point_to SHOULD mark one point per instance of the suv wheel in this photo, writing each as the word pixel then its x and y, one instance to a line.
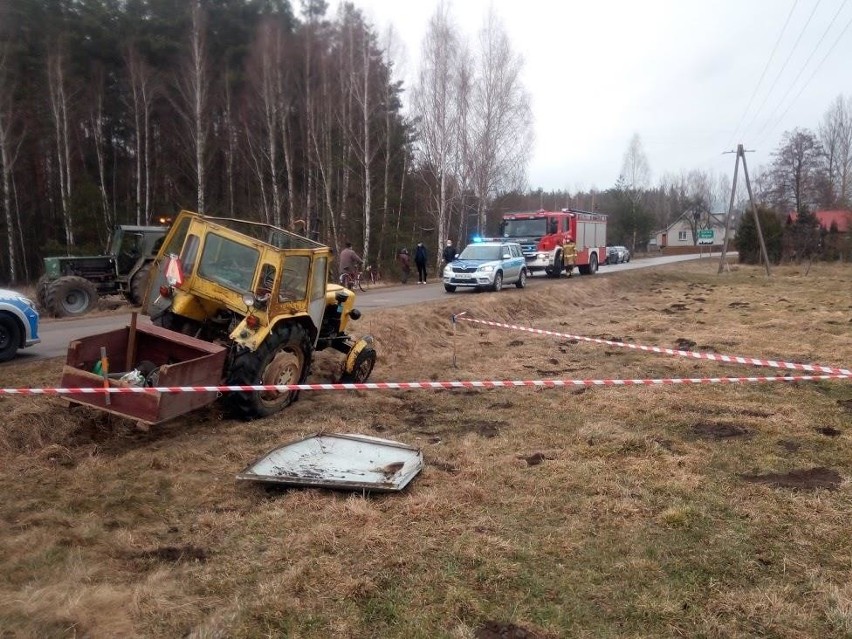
pixel 498 282
pixel 522 279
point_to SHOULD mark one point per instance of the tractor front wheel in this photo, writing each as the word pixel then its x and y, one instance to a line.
pixel 41 292
pixel 364 363
pixel 284 357
pixel 70 296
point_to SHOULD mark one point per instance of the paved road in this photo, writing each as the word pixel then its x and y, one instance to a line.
pixel 56 334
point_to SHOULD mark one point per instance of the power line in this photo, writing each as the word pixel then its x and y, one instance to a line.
pixel 784 66
pixel 805 85
pixel 802 70
pixel 763 73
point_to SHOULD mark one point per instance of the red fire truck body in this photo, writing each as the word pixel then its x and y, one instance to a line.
pixel 553 241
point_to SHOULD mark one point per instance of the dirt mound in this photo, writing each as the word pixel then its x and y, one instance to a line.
pixel 809 479
pixel 498 630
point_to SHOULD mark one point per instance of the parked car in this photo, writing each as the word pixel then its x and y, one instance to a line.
pixel 18 324
pixel 487 265
pixel 617 254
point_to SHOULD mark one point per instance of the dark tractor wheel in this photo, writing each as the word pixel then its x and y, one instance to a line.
pixel 363 367
pixel 449 288
pixel 41 292
pixel 284 357
pixel 522 279
pixel 70 296
pixel 139 284
pixel 497 286
pixel 10 337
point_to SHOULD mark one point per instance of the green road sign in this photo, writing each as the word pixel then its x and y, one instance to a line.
pixel 706 236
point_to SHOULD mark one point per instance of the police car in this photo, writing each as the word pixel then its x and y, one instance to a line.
pixel 487 265
pixel 18 324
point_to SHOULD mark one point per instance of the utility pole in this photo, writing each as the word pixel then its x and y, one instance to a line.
pixel 722 264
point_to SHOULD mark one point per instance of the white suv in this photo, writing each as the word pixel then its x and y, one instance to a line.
pixel 487 265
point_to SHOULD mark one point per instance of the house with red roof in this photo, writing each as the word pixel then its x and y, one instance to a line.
pixel 842 218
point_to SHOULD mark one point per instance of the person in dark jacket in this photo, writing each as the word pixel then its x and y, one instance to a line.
pixel 449 253
pixel 404 264
pixel 420 260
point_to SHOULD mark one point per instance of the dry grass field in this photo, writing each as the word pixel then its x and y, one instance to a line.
pixel 677 511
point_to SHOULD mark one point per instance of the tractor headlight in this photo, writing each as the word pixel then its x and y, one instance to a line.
pixel 249 299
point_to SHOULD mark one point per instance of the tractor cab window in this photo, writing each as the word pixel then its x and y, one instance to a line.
pixel 266 283
pixel 189 254
pixel 320 278
pixel 228 263
pixel 129 251
pixel 294 279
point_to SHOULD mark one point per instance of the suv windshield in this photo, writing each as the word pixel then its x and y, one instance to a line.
pixel 481 252
pixel 532 227
pixel 228 263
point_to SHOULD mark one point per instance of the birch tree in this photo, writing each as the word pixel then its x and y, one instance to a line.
pixel 59 108
pixel 141 101
pixel 502 118
pixel 435 109
pixel 193 86
pixel 835 135
pixel 360 41
pixel 8 157
pixel 265 82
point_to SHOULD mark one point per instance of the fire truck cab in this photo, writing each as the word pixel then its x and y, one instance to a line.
pixel 556 241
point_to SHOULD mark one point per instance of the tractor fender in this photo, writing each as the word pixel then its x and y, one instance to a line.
pixel 253 338
pixel 360 345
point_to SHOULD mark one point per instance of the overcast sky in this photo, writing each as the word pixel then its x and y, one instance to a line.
pixel 681 74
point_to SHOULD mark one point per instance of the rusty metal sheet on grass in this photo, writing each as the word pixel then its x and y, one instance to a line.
pixel 343 462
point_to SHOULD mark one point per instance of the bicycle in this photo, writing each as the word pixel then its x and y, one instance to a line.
pixel 354 280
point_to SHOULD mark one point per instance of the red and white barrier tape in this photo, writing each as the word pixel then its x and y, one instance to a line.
pixel 537 383
pixel 728 359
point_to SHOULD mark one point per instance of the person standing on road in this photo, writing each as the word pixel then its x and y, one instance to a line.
pixel 449 253
pixel 405 264
pixel 420 260
pixel 349 260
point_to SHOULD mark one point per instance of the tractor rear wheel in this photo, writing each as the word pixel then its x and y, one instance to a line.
pixel 139 284
pixel 284 357
pixel 70 296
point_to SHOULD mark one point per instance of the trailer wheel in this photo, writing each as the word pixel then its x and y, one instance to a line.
pixel 139 284
pixel 70 296
pixel 284 357
pixel 363 367
pixel 10 337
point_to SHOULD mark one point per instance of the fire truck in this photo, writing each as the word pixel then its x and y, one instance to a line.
pixel 557 241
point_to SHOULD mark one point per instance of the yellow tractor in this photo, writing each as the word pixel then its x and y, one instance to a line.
pixel 244 303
